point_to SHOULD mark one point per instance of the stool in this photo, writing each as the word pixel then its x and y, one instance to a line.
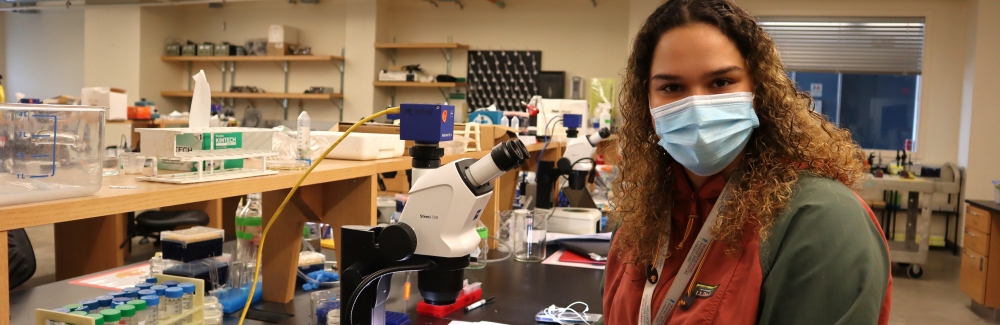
pixel 150 223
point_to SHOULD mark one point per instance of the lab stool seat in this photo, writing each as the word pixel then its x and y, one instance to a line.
pixel 150 223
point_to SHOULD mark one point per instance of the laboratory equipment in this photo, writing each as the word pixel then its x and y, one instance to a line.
pixel 191 244
pixel 575 221
pixel 469 294
pixel 362 146
pixel 147 292
pixel 120 301
pixel 216 153
pixel 576 163
pixel 248 230
pixel 118 294
pixel 152 308
pixel 98 318
pixel 131 292
pixel 170 284
pixel 528 234
pixel 302 133
pixel 482 251
pixel 112 316
pixel 436 232
pixel 152 279
pixel 112 162
pixel 144 285
pixel 213 311
pixel 161 291
pixel 74 307
pixel 49 152
pixel 187 300
pixel 91 305
pixel 104 302
pixel 174 306
pixel 78 313
pixel 322 303
pixel 141 315
pixel 128 313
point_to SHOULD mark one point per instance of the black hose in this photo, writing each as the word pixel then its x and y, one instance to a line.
pixel 374 276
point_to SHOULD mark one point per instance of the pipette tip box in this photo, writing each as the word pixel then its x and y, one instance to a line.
pixel 192 244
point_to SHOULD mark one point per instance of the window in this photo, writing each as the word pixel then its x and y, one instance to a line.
pixel 863 73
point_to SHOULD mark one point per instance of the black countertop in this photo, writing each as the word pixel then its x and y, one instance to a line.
pixel 986 205
pixel 521 291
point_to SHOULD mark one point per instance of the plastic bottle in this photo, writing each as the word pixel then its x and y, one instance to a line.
pixel 91 305
pixel 152 280
pixel 140 312
pixel 173 304
pixel 161 290
pixel 303 130
pixel 119 301
pixel 171 284
pixel 128 314
pixel 504 121
pixel 515 123
pixel 187 300
pixel 483 248
pixel 75 307
pixel 104 302
pixel 152 309
pixel 78 313
pixel 144 285
pixel 155 266
pixel 118 294
pixel 248 230
pixel 605 116
pixel 98 318
pixel 131 292
pixel 112 316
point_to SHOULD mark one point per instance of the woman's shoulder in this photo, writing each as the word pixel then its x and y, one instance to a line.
pixel 821 212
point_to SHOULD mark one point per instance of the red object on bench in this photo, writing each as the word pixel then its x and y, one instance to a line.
pixel 441 311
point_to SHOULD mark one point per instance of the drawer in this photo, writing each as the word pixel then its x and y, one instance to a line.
pixel 977 219
pixel 973 278
pixel 977 242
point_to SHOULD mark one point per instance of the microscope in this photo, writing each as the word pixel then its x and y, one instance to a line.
pixel 436 232
pixel 576 163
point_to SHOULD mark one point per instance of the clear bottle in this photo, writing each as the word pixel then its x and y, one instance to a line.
pixel 131 292
pixel 128 314
pixel 104 302
pixel 112 316
pixel 169 284
pixel 140 312
pixel 248 230
pixel 91 305
pixel 483 248
pixel 156 265
pixel 173 303
pixel 303 132
pixel 515 123
pixel 161 290
pixel 187 300
pixel 152 309
pixel 144 285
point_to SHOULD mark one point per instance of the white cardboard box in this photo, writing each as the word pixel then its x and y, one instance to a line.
pixel 282 34
pixel 113 98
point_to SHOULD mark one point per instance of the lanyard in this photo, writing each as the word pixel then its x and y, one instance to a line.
pixel 698 251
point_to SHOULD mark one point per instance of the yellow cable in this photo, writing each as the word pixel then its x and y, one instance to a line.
pixel 263 235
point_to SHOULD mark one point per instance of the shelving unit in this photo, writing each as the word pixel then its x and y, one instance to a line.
pixel 228 66
pixel 445 49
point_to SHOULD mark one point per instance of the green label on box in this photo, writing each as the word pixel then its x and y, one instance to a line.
pixel 188 142
pixel 228 140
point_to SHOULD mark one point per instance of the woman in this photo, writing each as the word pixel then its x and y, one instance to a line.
pixel 711 120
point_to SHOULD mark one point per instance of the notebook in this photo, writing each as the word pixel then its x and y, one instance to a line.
pixel 594 250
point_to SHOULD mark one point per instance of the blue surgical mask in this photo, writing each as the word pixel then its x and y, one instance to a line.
pixel 706 133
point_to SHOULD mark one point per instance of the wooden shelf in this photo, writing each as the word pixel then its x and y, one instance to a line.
pixel 217 94
pixel 252 58
pixel 419 84
pixel 421 46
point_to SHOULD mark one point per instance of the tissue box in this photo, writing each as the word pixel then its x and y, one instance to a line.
pixel 282 34
pixel 114 99
pixel 486 117
pixel 279 49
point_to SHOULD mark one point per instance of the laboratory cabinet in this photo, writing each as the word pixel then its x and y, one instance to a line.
pixel 980 271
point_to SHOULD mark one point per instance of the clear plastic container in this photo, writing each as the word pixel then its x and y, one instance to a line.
pixel 187 300
pixel 140 312
pixel 128 314
pixel 49 152
pixel 213 311
pixel 104 302
pixel 174 307
pixel 323 303
pixel 152 309
pixel 160 292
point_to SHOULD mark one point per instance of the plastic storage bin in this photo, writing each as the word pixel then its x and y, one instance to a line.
pixel 363 146
pixel 192 244
pixel 49 152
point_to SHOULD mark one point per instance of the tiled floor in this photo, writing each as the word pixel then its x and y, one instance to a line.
pixel 933 299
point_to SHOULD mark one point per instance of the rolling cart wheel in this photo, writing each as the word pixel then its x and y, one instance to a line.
pixel 915 271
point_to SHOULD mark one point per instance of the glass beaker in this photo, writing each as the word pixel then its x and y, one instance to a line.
pixel 112 162
pixel 321 304
pixel 132 163
pixel 527 231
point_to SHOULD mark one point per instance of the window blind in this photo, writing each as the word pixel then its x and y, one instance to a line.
pixel 860 45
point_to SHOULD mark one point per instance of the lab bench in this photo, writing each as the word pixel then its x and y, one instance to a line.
pixel 537 286
pixel 89 230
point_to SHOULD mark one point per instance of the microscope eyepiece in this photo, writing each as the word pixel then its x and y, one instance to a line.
pixel 504 157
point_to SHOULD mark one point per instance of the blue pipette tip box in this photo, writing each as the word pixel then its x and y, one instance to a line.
pixel 394 318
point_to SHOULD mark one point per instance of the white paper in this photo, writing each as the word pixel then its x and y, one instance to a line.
pixel 554 260
pixel 201 102
pixel 555 236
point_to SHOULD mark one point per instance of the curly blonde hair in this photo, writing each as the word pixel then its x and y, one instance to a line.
pixel 791 139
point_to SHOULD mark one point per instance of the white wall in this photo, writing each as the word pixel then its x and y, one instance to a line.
pixel 982 115
pixel 44 53
pixel 573 36
pixel 111 50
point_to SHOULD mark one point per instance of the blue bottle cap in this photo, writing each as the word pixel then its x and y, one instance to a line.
pixel 174 292
pixel 171 283
pixel 120 301
pixel 132 292
pixel 61 310
pixel 159 289
pixel 91 304
pixel 118 294
pixel 151 300
pixel 104 301
pixel 151 280
pixel 144 286
pixel 147 292
pixel 188 287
